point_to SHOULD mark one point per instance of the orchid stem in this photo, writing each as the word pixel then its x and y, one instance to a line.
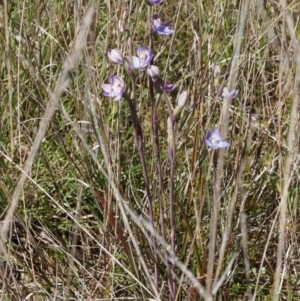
pixel 139 144
pixel 214 225
pixel 171 151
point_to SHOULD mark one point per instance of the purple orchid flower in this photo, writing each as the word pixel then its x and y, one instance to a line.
pixel 115 56
pixel 169 87
pixel 161 28
pixel 226 94
pixel 143 58
pixel 163 86
pixel 115 88
pixel 214 140
pixel 153 2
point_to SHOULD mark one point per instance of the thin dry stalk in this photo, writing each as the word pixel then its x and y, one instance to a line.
pixel 291 139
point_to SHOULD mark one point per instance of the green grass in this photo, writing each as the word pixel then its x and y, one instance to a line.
pixel 63 242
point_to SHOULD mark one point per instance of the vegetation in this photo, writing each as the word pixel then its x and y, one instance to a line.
pixel 80 220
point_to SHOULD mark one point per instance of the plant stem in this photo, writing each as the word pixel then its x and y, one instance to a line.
pixel 171 152
pixel 139 144
pixel 214 226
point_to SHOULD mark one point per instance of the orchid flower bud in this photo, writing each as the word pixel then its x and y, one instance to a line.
pixel 115 56
pixel 153 72
pixel 182 99
pixel 226 94
pixel 181 102
pixel 217 71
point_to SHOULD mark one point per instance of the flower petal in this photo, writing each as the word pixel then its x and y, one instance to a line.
pixel 106 88
pixel 233 94
pixel 182 99
pixel 117 98
pixel 115 56
pixel 137 63
pixel 223 144
pixel 153 2
pixel 169 87
pixel 226 94
pixel 215 133
pixel 153 71
pixel 208 143
pixel 111 79
pixel 118 81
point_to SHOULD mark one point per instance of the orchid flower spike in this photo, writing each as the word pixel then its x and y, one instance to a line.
pixel 214 140
pixel 115 88
pixel 161 28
